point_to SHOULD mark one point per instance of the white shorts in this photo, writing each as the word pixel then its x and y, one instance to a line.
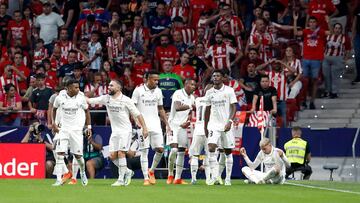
pixel 154 139
pixel 73 139
pixel 120 142
pixel 198 144
pixel 227 139
pixel 179 137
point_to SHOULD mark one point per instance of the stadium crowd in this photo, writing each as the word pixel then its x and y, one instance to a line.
pixel 298 44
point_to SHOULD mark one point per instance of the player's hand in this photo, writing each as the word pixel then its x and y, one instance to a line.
pixel 145 133
pixel 228 126
pixel 55 128
pixel 243 151
pixel 185 125
pixel 89 133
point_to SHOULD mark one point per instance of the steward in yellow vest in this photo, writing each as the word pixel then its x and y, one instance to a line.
pixel 298 153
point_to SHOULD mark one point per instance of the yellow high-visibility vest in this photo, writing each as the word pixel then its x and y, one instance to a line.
pixel 295 150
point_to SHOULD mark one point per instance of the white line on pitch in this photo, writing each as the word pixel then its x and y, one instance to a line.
pixel 323 188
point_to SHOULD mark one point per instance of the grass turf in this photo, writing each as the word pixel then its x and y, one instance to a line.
pixel 99 191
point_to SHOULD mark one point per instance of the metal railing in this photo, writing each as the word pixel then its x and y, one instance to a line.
pixel 354 155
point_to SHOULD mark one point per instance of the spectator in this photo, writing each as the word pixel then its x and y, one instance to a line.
pixel 314 44
pixel 187 33
pixel 101 14
pixel 38 103
pixel 336 52
pixel 11 75
pixel 160 23
pixel 40 52
pixel 355 38
pixel 95 49
pixel 298 153
pixel 169 82
pixel 84 28
pixel 178 42
pixel 177 8
pixel 35 135
pixel 129 49
pixel 4 21
pixel 78 75
pixel 293 78
pixel 25 71
pixel 48 23
pixel 140 33
pixel 250 83
pixel 269 95
pixel 262 40
pixel 203 71
pixel 126 16
pixel 10 103
pixel 68 69
pixel 183 69
pixel 30 89
pixel 237 26
pixel 139 68
pixel 164 52
pixel 252 57
pixel 71 14
pixel 108 70
pixel 18 28
pixel 64 43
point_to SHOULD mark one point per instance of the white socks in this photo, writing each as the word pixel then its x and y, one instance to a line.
pixel 229 165
pixel 122 168
pixel 179 164
pixel 75 167
pixel 270 174
pixel 213 165
pixel 221 163
pixel 60 167
pixel 156 160
pixel 207 167
pixel 172 158
pixel 144 163
pixel 194 165
pixel 81 163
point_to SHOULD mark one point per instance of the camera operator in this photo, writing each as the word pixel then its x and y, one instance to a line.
pixel 34 135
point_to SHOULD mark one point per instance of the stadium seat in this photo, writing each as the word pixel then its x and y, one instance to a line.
pixel 331 167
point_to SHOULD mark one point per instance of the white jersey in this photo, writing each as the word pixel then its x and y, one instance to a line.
pixel 119 110
pixel 147 102
pixel 200 104
pixel 72 111
pixel 269 161
pixel 220 101
pixel 176 118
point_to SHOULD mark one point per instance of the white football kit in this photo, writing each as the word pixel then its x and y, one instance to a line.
pixel 220 101
pixel 147 101
pixel 199 140
pixel 119 110
pixel 72 120
pixel 270 161
pixel 177 118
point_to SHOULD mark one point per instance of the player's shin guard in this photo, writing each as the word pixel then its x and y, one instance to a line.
pixel 213 165
pixel 122 168
pixel 144 162
pixel 229 165
pixel 194 165
pixel 156 160
pixel 75 167
pixel 172 158
pixel 221 163
pixel 179 164
pixel 250 174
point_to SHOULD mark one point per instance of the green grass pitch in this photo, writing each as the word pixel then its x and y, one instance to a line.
pixel 100 191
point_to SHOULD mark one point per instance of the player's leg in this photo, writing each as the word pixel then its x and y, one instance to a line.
pixel 228 142
pixel 182 145
pixel 120 145
pixel 213 138
pixel 61 146
pixel 144 151
pixel 196 147
pixel 206 161
pixel 75 169
pixel 171 140
pixel 157 142
pixel 273 173
pixel 254 176
pixel 222 158
pixel 76 148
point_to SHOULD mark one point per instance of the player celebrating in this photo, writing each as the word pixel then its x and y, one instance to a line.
pixel 149 100
pixel 219 113
pixel 179 119
pixel 274 160
pixel 199 140
pixel 74 115
pixel 119 108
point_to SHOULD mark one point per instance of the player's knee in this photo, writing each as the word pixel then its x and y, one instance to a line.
pixel 244 169
pixel 159 150
pixel 77 156
pixel 277 170
pixel 228 151
pixel 90 164
pixel 212 147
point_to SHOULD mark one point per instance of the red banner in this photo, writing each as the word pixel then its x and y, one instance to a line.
pixel 25 161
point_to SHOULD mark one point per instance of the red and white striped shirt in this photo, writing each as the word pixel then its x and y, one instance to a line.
pixel 220 56
pixel 236 26
pixel 140 35
pixel 65 48
pixel 100 90
pixel 261 118
pixel 40 55
pixel 240 94
pixel 187 33
pixel 178 11
pixel 4 81
pixel 114 45
pixel 266 39
pixel 279 81
pixel 337 45
pixel 83 30
pixel 296 65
